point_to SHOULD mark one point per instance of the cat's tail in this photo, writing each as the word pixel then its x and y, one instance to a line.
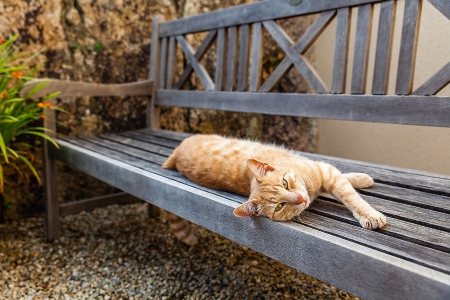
pixel 181 229
pixel 171 161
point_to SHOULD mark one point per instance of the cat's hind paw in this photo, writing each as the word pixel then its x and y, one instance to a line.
pixel 372 220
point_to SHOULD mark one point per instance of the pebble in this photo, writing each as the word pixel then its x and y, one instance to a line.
pixel 135 257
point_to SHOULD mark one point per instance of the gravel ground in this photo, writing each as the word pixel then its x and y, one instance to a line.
pixel 119 253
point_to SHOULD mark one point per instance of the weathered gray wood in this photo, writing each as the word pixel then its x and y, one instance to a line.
pixel 305 68
pixel 152 110
pixel 308 38
pixel 204 46
pixel 408 47
pixel 178 136
pixel 198 68
pixel 171 63
pixel 383 109
pixel 410 213
pixel 383 52
pixel 416 253
pixel 129 151
pixel 442 6
pixel 362 41
pixel 418 234
pixel 251 13
pixel 411 179
pixel 244 40
pixel 256 64
pixel 108 150
pixel 341 51
pixel 81 89
pixel 231 59
pixel 322 255
pixel 412 197
pixel 436 82
pixel 166 142
pixel 90 204
pixel 163 64
pixel 220 64
pixel 53 226
pixel 133 142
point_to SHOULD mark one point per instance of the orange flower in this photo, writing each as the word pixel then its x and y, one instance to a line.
pixel 43 116
pixel 1 40
pixel 42 104
pixel 5 93
pixel 17 74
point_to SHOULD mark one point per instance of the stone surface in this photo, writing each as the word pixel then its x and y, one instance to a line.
pixel 108 41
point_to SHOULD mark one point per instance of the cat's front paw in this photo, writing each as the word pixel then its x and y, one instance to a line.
pixel 359 180
pixel 372 220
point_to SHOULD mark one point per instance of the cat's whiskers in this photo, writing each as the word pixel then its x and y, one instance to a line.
pixel 298 218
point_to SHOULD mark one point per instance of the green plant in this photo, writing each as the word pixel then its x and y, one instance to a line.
pixel 18 116
pixel 98 47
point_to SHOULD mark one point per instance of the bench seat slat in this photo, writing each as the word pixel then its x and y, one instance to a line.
pixel 151 139
pixel 158 149
pixel 422 235
pixel 429 182
pixel 408 196
pixel 407 250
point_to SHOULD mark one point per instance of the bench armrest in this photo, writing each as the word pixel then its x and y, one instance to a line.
pixel 79 89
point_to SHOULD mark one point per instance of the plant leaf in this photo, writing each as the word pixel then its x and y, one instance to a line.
pixel 1 179
pixel 33 170
pixel 3 148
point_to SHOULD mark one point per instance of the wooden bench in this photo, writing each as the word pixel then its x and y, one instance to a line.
pixel 408 259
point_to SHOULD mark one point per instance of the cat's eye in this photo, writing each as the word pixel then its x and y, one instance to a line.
pixel 279 206
pixel 285 184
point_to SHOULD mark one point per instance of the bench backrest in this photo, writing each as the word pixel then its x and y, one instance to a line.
pixel 237 85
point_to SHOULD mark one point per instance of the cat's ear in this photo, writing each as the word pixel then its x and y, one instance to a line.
pixel 258 168
pixel 247 209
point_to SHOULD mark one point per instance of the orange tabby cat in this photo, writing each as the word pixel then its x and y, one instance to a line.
pixel 279 183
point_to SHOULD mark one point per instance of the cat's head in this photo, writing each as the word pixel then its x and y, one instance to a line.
pixel 277 193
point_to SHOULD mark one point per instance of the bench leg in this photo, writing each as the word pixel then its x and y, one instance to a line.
pixel 153 211
pixel 51 196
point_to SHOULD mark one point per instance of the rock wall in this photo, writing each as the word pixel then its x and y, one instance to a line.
pixel 108 41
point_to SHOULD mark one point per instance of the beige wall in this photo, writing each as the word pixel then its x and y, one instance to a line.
pixel 415 147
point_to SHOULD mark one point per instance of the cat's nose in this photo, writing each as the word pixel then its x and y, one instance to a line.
pixel 300 200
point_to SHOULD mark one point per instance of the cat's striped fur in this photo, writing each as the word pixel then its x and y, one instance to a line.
pixel 279 183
